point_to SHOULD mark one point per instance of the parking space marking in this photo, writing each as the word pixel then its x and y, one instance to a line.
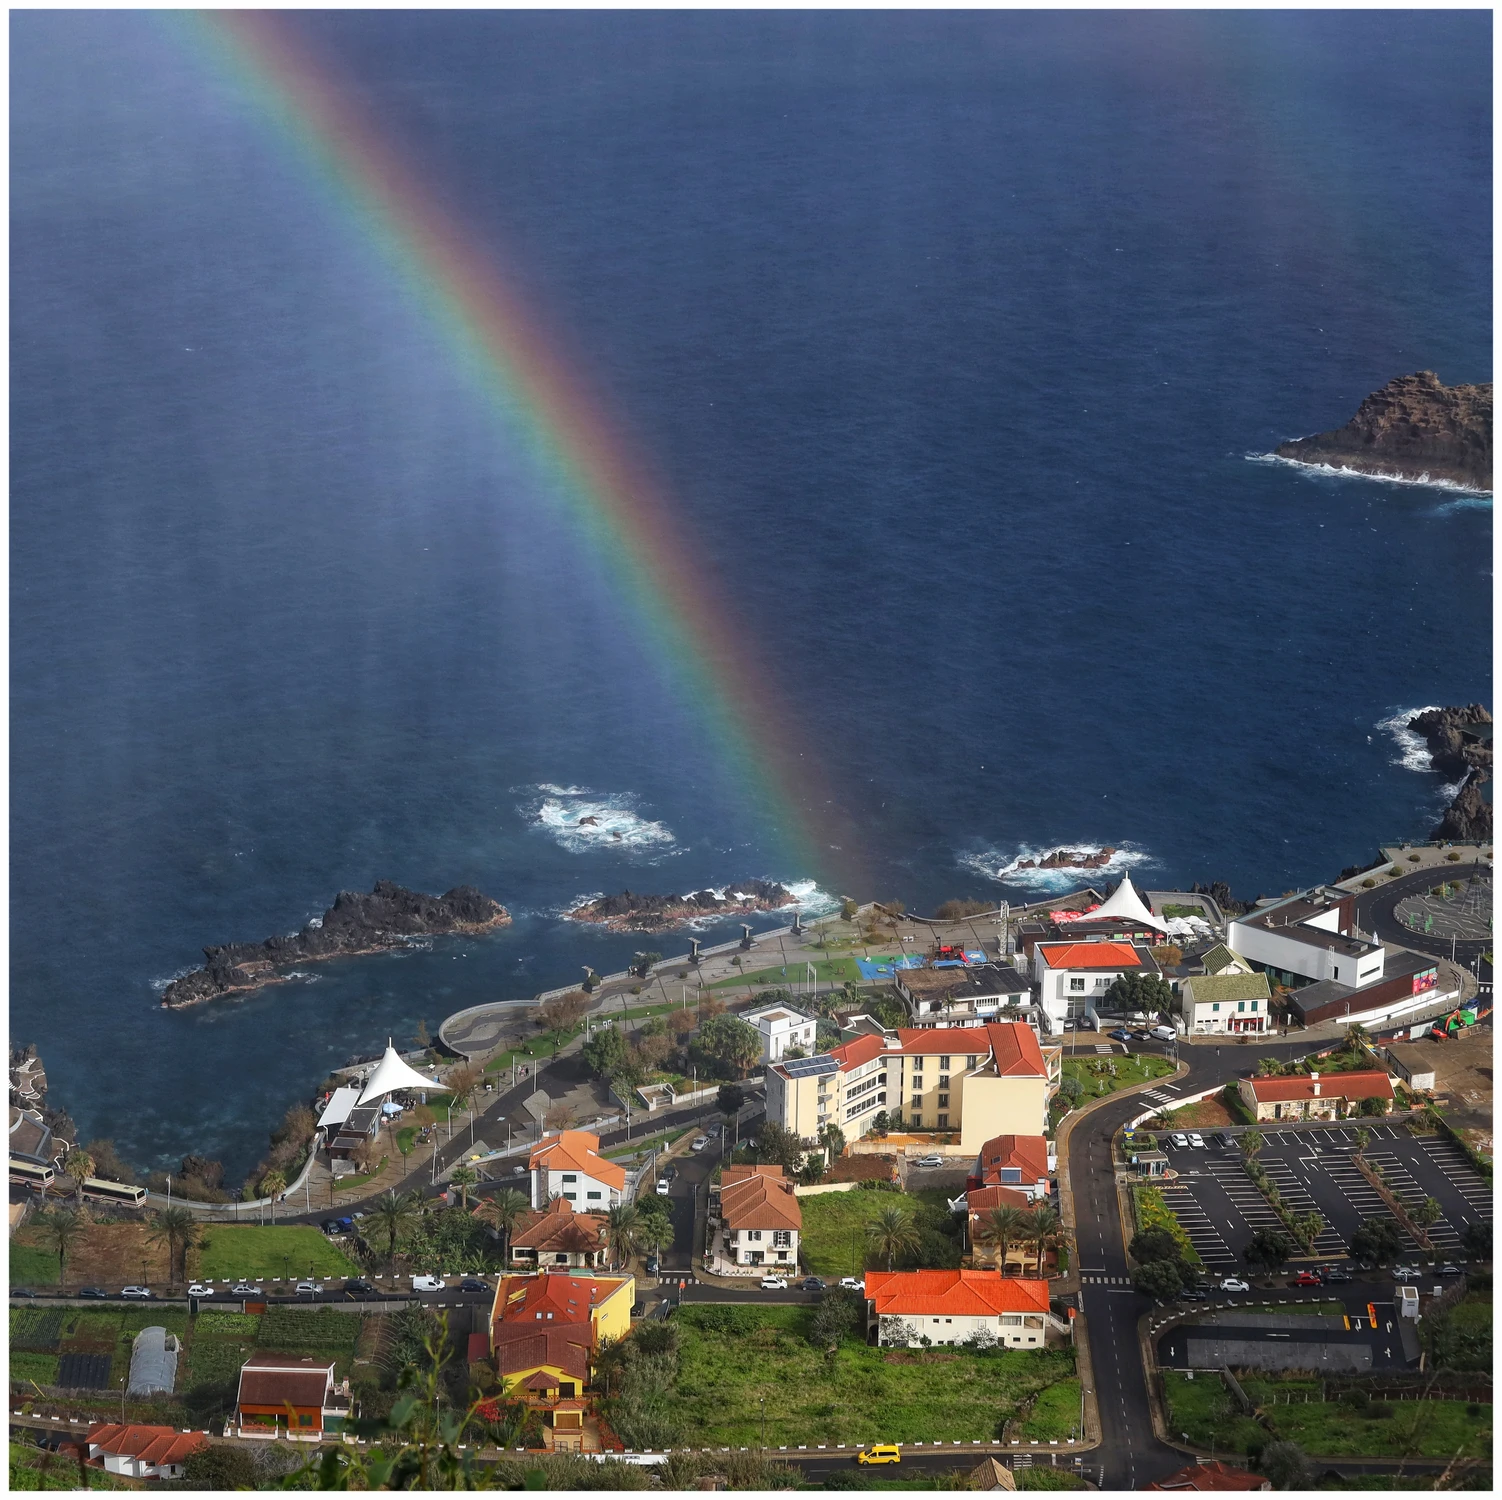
pixel 1442 1233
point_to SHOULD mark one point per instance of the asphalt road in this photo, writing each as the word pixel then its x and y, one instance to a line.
pixel 1375 912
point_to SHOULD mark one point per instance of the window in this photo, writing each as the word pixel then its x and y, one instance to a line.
pixel 1241 1005
pixel 782 1237
pixel 969 1062
pixel 304 1419
pixel 1215 1006
pixel 943 1122
pixel 917 1102
pixel 916 1122
pixel 561 1258
pixel 1076 986
pixel 943 1080
pixel 917 1065
pixel 754 1234
pixel 1254 1004
pixel 592 1196
pixel 571 1177
pixel 943 1101
pixel 572 1197
pixel 944 1064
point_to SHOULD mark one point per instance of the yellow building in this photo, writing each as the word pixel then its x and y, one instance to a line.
pixel 545 1329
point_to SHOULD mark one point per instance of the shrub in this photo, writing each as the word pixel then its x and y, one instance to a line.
pixel 1396 870
pixel 1367 884
pixel 1453 857
pixel 1413 859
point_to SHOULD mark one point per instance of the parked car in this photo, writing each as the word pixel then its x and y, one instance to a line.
pixel 852 1283
pixel 1196 1140
pixel 663 1187
pixel 200 1289
pixel 933 1159
pixel 1334 1273
pixel 1308 1278
pixel 427 1283
pixel 1448 1270
pixel 92 1291
pixel 1193 1294
pixel 1163 1033
pixel 1180 1140
pixel 474 1284
pixel 880 1453
pixel 246 1289
pixel 22 1291
pixel 811 1284
pixel 1235 1284
pixel 654 1266
pixel 138 1292
pixel 338 1226
pixel 1405 1273
pixel 1121 1034
pixel 638 1308
pixel 309 1288
pixel 1225 1141
pixel 774 1283
pixel 698 1143
pixel 357 1286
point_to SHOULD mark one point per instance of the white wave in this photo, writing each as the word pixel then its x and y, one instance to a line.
pixel 160 985
pixel 582 821
pixel 303 975
pixel 812 902
pixel 1005 868
pixel 1335 471
pixel 549 789
pixel 315 921
pixel 1413 750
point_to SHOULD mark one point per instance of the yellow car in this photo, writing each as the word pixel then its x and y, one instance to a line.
pixel 880 1453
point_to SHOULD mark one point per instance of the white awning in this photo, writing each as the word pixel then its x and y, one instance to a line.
pixel 392 1073
pixel 341 1101
pixel 1126 903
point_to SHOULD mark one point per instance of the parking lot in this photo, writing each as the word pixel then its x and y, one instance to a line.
pixel 1221 1208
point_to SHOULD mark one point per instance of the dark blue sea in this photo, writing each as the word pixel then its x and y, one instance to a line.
pixel 955 339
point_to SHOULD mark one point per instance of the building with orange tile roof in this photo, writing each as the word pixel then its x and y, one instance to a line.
pixel 1073 977
pixel 755 1220
pixel 282 1392
pixel 1314 1097
pixel 559 1236
pixel 142 1452
pixel 1211 1474
pixel 550 1324
pixel 568 1165
pixel 952 1307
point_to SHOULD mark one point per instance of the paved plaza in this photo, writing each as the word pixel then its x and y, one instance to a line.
pixel 1464 912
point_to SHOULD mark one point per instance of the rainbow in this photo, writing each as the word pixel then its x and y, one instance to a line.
pixel 622 513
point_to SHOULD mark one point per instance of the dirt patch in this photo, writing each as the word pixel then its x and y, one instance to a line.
pixel 1207 1114
pixel 862 1169
pixel 109 1253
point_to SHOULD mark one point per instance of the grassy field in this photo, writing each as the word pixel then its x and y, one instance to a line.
pixel 259 1251
pixel 861 1395
pixel 36 1469
pixel 829 970
pixel 1095 1078
pixel 1413 1429
pixel 220 1343
pixel 1203 1409
pixel 833 1241
pixel 31 1265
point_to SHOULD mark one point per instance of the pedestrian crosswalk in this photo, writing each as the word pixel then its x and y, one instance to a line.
pixel 1158 1096
pixel 1107 1050
pixel 1105 1280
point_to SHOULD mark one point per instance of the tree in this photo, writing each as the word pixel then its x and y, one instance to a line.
pixel 642 968
pixel 1310 1226
pixel 1251 1143
pixel 1377 1240
pixel 1044 1228
pixel 461 1082
pixel 1070 1089
pixel 1001 1228
pixel 503 1213
pixel 219 1466
pixel 79 1165
pixel 730 1100
pixel 881 1124
pixel 1357 1037
pixel 175 1227
pixel 622 1232
pixel 1428 1212
pixel 1269 1249
pixel 728 1045
pixel 1363 1139
pixel 1159 1279
pixel 1269 1067
pixel 61 1228
pixel 1153 1244
pixel 777 1145
pixel 605 1052
pixel 1372 1107
pixel 839 1313
pixel 1476 1239
pixel 272 1183
pixel 392 1215
pixel 558 1116
pixel 892 1232
pixel 1139 992
pixel 832 1138
pixel 1286 1465
pixel 654 1222
pixel 464 1177
pixel 560 1014
pixel 108 1163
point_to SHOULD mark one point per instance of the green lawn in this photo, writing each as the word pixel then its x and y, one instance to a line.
pixel 1414 1429
pixel 862 1395
pixel 829 971
pixel 833 1240
pixel 1056 1413
pixel 1096 1079
pixel 1204 1409
pixel 30 1265
pixel 36 1469
pixel 261 1251
pixel 1297 1309
pixel 662 1140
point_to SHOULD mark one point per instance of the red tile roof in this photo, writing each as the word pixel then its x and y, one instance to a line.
pixel 758 1198
pixel 559 1228
pixel 852 1054
pixel 566 1347
pixel 966 1040
pixel 1028 1153
pixel 1090 955
pixel 554 1297
pixel 1211 1475
pixel 576 1151
pixel 954 1293
pixel 281 1380
pixel 1368 1085
pixel 1015 1049
pixel 153 1445
pixel 993 1195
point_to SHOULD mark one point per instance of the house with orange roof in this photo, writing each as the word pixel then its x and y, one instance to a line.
pixel 1073 977
pixel 558 1235
pixel 754 1221
pixel 1331 1096
pixel 141 1452
pixel 567 1164
pixel 1211 1474
pixel 954 1307
pixel 545 1328
pixel 975 1081
pixel 281 1394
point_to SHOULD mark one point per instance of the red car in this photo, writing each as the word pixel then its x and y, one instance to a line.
pixel 1308 1278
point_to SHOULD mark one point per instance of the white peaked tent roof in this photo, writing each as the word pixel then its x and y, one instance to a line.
pixel 392 1073
pixel 1125 902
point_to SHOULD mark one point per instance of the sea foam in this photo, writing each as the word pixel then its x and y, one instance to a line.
pixel 1339 471
pixel 1413 750
pixel 1004 869
pixel 583 821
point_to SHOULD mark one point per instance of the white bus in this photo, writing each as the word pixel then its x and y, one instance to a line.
pixel 113 1192
pixel 30 1173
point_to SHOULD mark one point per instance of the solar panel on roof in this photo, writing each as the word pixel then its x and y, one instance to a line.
pixel 809 1067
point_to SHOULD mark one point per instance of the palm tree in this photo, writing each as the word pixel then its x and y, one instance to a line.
pixel 175 1226
pixel 1269 1066
pixel 892 1233
pixel 393 1214
pixel 1357 1037
pixel 272 1184
pixel 61 1227
pixel 1252 1143
pixel 1001 1227
pixel 1363 1140
pixel 504 1212
pixel 1044 1228
pixel 464 1177
pixel 622 1232
pixel 78 1164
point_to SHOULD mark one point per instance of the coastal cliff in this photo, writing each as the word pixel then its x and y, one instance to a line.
pixel 632 912
pixel 1459 742
pixel 388 917
pixel 1413 428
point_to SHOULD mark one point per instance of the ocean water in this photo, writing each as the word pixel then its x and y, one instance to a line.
pixel 957 340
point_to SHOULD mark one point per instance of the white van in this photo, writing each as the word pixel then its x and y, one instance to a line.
pixel 1163 1033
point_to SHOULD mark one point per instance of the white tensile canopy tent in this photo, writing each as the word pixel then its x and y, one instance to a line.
pixel 392 1073
pixel 1124 902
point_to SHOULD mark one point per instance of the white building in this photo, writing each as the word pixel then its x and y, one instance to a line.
pixel 759 1221
pixel 568 1165
pixel 1225 1004
pixel 1073 977
pixel 1308 937
pixel 782 1028
pixel 951 1307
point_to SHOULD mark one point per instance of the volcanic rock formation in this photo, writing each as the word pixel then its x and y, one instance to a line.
pixel 389 917
pixel 1458 748
pixel 1413 428
pixel 1069 859
pixel 631 912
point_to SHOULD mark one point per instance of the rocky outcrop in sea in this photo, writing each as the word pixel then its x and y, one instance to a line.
pixel 1413 428
pixel 1457 748
pixel 1070 859
pixel 389 916
pixel 632 912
